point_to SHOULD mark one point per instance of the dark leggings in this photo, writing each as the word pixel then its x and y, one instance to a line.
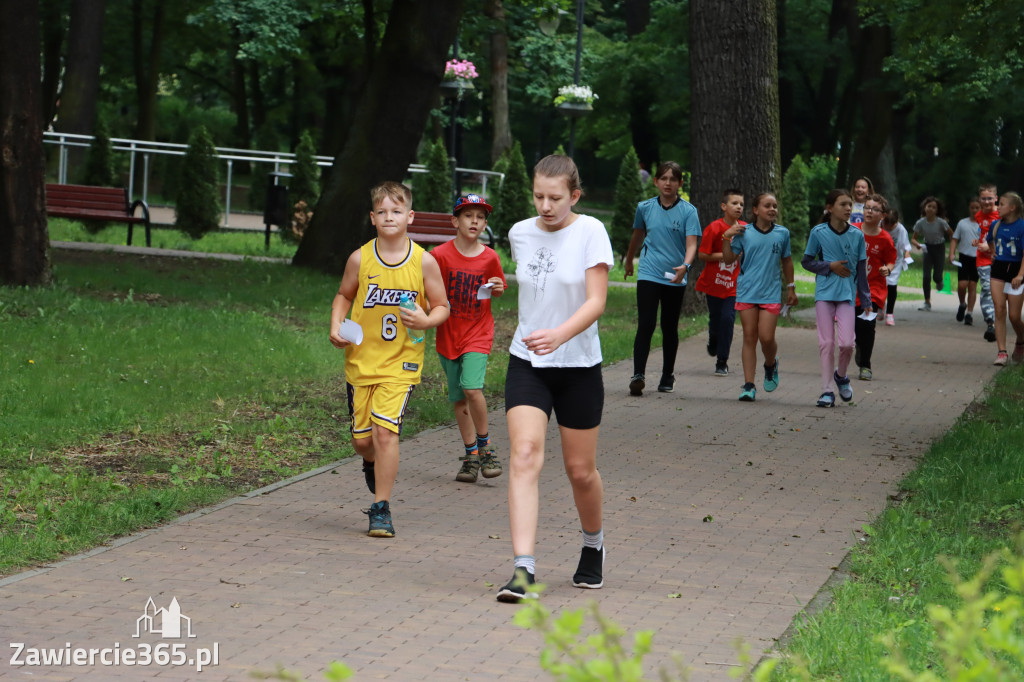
pixel 721 323
pixel 890 299
pixel 934 258
pixel 648 296
pixel 865 332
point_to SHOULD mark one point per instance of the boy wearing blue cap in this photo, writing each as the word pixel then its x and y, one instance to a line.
pixel 472 274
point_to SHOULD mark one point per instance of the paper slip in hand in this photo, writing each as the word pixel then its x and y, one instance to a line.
pixel 351 332
pixel 785 310
pixel 484 291
pixel 670 276
pixel 1008 289
pixel 957 263
pixel 908 260
pixel 867 317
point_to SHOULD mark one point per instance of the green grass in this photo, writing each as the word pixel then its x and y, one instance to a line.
pixel 240 243
pixel 964 501
pixel 138 388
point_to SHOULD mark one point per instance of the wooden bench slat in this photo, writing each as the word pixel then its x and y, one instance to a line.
pixel 84 202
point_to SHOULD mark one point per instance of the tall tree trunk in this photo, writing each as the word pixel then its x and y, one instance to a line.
pixel 147 65
pixel 53 46
pixel 385 132
pixel 23 235
pixel 643 132
pixel 876 100
pixel 82 78
pixel 502 137
pixel 734 143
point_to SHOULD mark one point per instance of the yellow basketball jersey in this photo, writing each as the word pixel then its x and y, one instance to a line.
pixel 387 354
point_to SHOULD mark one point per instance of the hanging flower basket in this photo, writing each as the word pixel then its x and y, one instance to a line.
pixel 575 100
pixel 458 77
pixel 574 109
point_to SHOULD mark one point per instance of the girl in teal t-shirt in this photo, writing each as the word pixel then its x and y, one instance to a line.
pixel 836 254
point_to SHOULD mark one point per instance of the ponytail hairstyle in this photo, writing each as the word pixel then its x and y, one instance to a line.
pixel 832 197
pixel 1018 203
pixel 892 217
pixel 559 166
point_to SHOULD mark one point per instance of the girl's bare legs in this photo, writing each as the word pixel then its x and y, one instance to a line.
pixel 1013 312
pixel 749 319
pixel 526 428
pixel 999 301
pixel 579 452
pixel 766 324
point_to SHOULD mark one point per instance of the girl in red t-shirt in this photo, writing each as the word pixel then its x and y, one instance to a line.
pixel 881 261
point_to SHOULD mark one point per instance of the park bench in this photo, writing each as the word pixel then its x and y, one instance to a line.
pixel 84 202
pixel 429 229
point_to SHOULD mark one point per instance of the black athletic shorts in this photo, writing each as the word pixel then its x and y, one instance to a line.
pixel 575 393
pixel 1005 270
pixel 968 270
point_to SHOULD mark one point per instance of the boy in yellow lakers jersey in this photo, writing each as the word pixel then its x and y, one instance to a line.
pixel 381 371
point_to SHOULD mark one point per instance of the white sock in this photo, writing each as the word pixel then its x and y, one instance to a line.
pixel 594 540
pixel 527 561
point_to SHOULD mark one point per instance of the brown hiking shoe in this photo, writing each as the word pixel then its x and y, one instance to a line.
pixel 489 464
pixel 470 469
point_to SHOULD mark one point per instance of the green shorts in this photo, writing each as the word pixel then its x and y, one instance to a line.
pixel 465 372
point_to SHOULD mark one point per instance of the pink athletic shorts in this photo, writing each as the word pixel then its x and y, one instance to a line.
pixel 773 308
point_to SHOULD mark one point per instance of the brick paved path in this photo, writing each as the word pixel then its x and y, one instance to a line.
pixel 290 577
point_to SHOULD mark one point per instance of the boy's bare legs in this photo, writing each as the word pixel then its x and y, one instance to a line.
pixel 972 295
pixel 477 406
pixel 385 451
pixel 579 452
pixel 526 428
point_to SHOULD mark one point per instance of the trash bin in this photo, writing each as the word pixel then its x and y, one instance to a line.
pixel 277 210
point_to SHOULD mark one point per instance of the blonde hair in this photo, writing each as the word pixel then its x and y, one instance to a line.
pixel 558 166
pixel 1017 202
pixel 396 191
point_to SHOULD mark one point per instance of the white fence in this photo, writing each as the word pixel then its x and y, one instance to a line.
pixel 147 149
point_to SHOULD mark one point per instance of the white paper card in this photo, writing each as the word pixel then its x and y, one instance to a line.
pixel 670 276
pixel 867 317
pixel 785 310
pixel 484 291
pixel 958 264
pixel 908 260
pixel 351 332
pixel 1008 289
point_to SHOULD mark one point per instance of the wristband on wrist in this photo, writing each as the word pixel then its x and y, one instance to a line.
pixel 791 285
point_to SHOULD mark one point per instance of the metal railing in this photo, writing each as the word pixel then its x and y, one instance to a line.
pixel 146 149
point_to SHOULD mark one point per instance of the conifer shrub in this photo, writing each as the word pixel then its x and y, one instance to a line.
pixel 99 168
pixel 197 206
pixel 793 209
pixel 629 192
pixel 304 187
pixel 512 201
pixel 433 189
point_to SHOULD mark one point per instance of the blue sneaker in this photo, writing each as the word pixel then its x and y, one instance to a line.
pixel 748 393
pixel 771 376
pixel 843 384
pixel 380 520
pixel 827 399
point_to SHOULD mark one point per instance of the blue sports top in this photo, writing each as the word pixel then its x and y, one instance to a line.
pixel 761 253
pixel 665 242
pixel 1009 241
pixel 826 245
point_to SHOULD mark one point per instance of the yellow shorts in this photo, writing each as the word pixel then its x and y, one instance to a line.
pixel 381 404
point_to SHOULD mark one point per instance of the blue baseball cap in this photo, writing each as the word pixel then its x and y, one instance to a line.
pixel 471 200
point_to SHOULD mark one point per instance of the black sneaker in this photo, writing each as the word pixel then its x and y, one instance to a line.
pixel 590 571
pixel 960 312
pixel 990 333
pixel 380 520
pixel 518 588
pixel 712 348
pixel 721 369
pixel 667 383
pixel 371 480
pixel 636 385
pixel 968 319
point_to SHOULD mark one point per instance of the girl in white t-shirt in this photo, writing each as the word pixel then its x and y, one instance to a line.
pixel 562 262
